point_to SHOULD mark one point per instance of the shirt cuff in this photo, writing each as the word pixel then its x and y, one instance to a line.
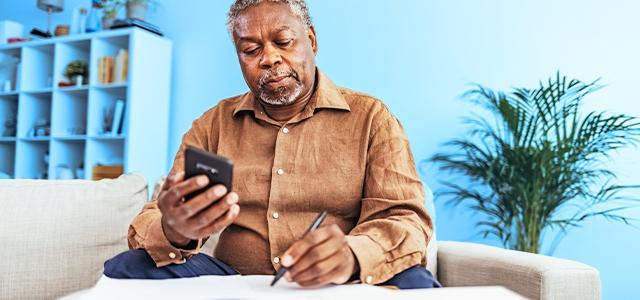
pixel 162 251
pixel 371 258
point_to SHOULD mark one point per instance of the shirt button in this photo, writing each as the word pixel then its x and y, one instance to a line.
pixel 276 260
pixel 285 130
pixel 172 255
pixel 275 215
pixel 280 171
pixel 369 279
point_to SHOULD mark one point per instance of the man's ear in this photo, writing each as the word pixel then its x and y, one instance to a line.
pixel 311 34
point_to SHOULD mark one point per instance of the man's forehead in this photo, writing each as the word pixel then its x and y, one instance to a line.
pixel 260 17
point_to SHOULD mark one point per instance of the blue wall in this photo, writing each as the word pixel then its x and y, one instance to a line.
pixel 419 56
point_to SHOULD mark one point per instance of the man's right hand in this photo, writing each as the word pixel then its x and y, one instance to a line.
pixel 203 215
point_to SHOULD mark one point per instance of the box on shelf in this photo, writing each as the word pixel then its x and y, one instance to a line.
pixel 9 29
pixel 107 172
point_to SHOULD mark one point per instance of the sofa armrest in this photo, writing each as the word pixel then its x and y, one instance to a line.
pixel 531 275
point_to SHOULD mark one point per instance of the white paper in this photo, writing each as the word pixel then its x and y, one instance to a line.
pixel 257 287
pixel 224 287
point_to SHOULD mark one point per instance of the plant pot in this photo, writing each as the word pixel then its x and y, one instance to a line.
pixel 137 10
pixel 107 22
pixel 77 80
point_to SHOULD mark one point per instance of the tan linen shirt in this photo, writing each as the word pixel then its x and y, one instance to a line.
pixel 344 153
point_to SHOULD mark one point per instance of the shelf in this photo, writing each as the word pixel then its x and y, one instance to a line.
pixel 110 86
pixel 70 138
pixel 35 139
pixel 107 137
pixel 10 93
pixel 40 91
pixel 74 118
pixel 82 88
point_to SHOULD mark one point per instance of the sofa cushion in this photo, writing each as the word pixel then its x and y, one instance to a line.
pixel 56 235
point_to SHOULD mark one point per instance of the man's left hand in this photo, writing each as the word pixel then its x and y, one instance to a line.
pixel 322 257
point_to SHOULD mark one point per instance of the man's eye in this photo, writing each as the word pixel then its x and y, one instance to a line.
pixel 251 51
pixel 284 42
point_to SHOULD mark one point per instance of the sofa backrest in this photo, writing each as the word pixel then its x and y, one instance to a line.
pixel 56 235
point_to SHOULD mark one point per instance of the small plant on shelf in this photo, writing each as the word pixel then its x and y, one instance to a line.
pixel 110 10
pixel 77 71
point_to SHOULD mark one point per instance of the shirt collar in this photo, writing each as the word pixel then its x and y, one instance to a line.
pixel 326 95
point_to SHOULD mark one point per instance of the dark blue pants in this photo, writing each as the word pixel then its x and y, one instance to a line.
pixel 137 264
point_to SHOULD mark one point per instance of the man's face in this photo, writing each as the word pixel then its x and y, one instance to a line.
pixel 276 53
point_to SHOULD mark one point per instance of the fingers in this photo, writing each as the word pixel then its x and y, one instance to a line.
pixel 300 247
pixel 177 190
pixel 213 212
pixel 221 223
pixel 310 262
pixel 320 258
pixel 335 275
pixel 205 199
pixel 172 180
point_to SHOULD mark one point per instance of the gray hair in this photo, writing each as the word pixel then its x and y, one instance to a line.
pixel 298 7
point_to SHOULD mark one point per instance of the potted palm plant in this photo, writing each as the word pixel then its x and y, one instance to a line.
pixel 539 163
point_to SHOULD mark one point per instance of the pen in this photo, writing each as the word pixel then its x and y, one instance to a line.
pixel 316 223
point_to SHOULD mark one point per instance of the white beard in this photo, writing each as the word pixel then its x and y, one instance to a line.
pixel 282 97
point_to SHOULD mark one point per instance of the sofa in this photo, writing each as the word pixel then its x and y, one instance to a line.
pixel 57 234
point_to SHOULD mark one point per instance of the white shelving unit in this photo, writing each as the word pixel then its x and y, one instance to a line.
pixel 76 114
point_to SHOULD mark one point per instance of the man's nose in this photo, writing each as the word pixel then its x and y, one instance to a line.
pixel 270 57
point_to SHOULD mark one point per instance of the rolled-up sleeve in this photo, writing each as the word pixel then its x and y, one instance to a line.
pixel 394 228
pixel 145 232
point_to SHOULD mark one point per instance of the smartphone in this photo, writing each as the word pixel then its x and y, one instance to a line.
pixel 218 168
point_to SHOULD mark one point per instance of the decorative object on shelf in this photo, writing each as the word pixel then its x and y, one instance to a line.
pixel 62 30
pixel 107 120
pixel 10 127
pixel 50 6
pixel 80 171
pixel 109 12
pixel 540 163
pixel 45 173
pixel 6 87
pixel 106 171
pixel 77 72
pixel 137 23
pixel 9 69
pixel 74 131
pixel 63 172
pixel 10 30
pixel 78 21
pixel 137 9
pixel 118 117
pixel 94 21
pixel 41 128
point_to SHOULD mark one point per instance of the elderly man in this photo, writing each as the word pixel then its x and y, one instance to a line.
pixel 300 145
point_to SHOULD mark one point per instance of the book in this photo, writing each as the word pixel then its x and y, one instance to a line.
pixel 121 66
pixel 118 116
pixel 105 70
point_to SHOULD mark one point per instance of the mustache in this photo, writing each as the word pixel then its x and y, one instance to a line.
pixel 272 74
